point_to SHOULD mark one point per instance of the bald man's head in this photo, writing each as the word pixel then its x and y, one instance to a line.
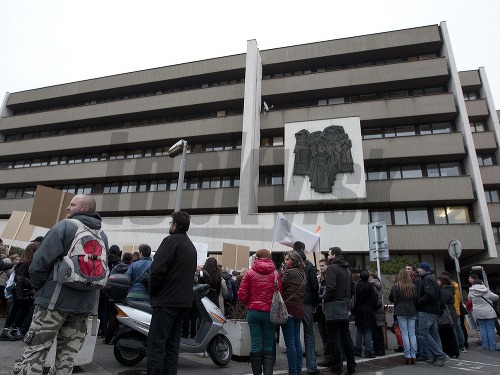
pixel 81 203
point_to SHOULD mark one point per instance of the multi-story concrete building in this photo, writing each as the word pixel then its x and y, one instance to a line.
pixel 424 142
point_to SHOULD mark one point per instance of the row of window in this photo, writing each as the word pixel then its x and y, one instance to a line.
pixel 492 195
pixel 135 96
pixel 214 182
pixel 381 95
pixel 422 215
pixel 407 130
pixel 347 66
pixel 414 171
pixel 124 125
pixel 118 155
pixel 486 159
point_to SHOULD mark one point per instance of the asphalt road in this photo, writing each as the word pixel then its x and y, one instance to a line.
pixel 475 361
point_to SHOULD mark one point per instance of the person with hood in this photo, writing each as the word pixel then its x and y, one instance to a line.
pixel 67 318
pixel 311 298
pixel 339 285
pixel 428 310
pixel 378 331
pixel 364 314
pixel 294 287
pixel 256 293
pixel 447 333
pixel 482 302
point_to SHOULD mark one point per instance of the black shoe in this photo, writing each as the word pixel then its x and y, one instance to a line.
pixel 399 349
pixel 369 355
pixel 314 372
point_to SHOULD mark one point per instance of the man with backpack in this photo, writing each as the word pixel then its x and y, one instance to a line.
pixel 63 304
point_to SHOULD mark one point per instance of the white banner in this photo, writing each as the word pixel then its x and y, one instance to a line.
pixel 287 233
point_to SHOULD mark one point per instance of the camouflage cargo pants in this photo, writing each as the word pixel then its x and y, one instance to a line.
pixel 70 330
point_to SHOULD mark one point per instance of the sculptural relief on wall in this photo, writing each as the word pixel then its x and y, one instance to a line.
pixel 321 155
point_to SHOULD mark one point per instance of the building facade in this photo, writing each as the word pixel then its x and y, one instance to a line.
pixel 424 139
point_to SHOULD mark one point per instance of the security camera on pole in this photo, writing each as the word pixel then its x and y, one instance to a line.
pixel 379 247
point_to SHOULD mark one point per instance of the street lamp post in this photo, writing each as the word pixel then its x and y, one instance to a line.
pixel 173 151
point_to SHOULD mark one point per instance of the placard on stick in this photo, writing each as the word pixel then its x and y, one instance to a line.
pixel 18 227
pixel 49 206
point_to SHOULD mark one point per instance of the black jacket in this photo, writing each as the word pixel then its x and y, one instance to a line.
pixel 403 306
pixel 337 280
pixel 429 295
pixel 366 305
pixel 312 286
pixel 172 270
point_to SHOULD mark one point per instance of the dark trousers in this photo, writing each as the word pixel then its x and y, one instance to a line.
pixel 339 337
pixel 113 322
pixel 163 340
pixel 18 312
pixel 378 340
pixel 320 316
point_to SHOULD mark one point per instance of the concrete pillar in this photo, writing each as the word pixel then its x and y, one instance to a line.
pixel 249 169
pixel 480 207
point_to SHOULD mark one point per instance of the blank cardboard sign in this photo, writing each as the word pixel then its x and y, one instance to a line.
pixel 235 256
pixel 18 227
pixel 49 206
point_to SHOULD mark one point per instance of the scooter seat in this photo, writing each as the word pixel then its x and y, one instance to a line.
pixel 141 305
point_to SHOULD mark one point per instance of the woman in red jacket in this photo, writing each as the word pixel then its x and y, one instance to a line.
pixel 256 293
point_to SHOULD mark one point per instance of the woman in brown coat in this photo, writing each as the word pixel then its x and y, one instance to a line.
pixel 294 286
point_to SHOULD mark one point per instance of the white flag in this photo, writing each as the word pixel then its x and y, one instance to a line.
pixel 287 234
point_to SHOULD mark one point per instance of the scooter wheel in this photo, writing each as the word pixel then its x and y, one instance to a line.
pixel 220 350
pixel 127 357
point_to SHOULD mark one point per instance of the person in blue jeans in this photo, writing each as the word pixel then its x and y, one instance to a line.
pixel 429 309
pixel 311 300
pixel 482 302
pixel 256 293
pixel 404 296
pixel 135 271
pixel 366 303
pixel 294 286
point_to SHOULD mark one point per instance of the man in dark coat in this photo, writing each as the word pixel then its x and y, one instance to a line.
pixel 171 288
pixel 311 298
pixel 428 311
pixel 339 288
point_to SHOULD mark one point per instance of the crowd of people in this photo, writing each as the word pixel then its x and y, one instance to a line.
pixel 428 310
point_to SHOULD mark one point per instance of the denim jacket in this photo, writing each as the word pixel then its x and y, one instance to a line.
pixel 135 270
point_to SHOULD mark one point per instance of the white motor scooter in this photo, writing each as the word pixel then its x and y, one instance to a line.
pixel 135 317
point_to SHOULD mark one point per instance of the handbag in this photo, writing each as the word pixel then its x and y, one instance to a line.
pixel 336 310
pixel 278 313
pixel 445 319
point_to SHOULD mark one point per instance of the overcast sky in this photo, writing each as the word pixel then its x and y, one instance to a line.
pixel 44 43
